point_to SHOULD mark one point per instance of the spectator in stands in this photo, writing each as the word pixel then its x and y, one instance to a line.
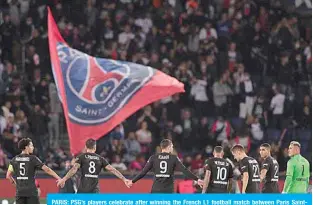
pixel 3 159
pixel 199 93
pixel 187 161
pixel 54 114
pixel 116 148
pixel 221 130
pixel 38 125
pixel 8 31
pixel 304 113
pixel 247 95
pixel 277 107
pixel 260 111
pixel 148 117
pixel 6 109
pixel 3 122
pixel 21 122
pixel 197 163
pixel 220 93
pixel 144 137
pixel 138 164
pixel 244 139
pixel 117 164
pixel 132 147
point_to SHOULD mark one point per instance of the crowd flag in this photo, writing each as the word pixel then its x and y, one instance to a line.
pixel 97 94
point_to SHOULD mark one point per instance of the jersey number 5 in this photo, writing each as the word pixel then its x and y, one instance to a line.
pixel 22 169
pixel 163 167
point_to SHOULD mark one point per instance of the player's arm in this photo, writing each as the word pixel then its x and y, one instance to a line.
pixel 245 179
pixel 230 178
pixel 230 185
pixel 244 168
pixel 185 171
pixel 39 165
pixel 50 172
pixel 115 172
pixel 206 181
pixel 289 175
pixel 263 174
pixel 9 175
pixel 264 169
pixel 144 171
pixel 72 171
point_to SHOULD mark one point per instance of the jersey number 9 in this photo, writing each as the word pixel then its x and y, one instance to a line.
pixel 163 167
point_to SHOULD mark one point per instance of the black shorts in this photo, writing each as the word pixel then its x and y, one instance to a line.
pixel 27 200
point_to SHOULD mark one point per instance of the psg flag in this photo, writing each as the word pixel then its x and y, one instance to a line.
pixel 98 94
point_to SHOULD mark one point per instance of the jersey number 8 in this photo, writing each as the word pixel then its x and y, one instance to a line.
pixel 92 167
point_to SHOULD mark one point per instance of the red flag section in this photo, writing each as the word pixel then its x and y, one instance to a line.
pixel 98 94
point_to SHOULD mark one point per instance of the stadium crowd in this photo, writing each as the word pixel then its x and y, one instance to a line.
pixel 245 64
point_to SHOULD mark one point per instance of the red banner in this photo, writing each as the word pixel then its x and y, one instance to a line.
pixel 98 94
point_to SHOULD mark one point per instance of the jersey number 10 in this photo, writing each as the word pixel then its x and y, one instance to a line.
pixel 221 173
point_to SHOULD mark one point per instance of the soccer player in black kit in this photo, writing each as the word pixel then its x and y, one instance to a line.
pixel 23 167
pixel 91 165
pixel 249 168
pixel 269 170
pixel 163 166
pixel 219 173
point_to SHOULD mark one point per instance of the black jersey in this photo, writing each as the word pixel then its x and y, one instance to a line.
pixel 163 165
pixel 24 167
pixel 271 179
pixel 250 165
pixel 221 172
pixel 91 165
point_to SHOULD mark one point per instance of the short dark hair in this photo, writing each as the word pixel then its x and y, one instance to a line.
pixel 23 143
pixel 91 143
pixel 165 143
pixel 266 145
pixel 218 149
pixel 238 147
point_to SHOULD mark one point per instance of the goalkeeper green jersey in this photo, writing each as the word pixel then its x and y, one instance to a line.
pixel 297 175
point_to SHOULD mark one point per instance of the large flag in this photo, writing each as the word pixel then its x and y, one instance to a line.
pixel 98 94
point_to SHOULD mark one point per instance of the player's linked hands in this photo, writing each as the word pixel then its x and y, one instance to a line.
pixel 60 183
pixel 128 183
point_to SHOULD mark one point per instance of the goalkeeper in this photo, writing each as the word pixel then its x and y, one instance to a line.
pixel 298 171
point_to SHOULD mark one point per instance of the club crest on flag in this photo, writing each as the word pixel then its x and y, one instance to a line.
pixel 97 88
pixel 98 94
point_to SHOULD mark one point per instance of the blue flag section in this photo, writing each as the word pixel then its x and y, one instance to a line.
pixel 179 199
